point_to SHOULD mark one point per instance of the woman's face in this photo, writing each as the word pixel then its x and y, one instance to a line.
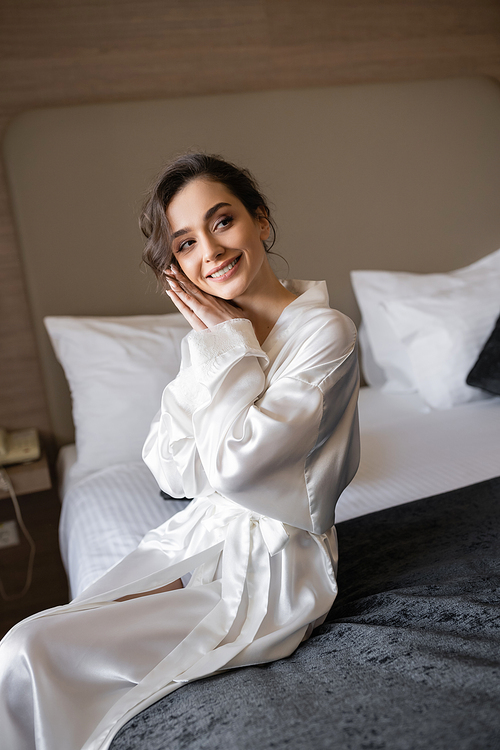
pixel 216 242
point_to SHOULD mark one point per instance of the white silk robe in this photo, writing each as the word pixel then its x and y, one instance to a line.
pixel 265 438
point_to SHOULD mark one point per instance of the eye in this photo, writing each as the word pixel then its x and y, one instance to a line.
pixel 223 222
pixel 184 245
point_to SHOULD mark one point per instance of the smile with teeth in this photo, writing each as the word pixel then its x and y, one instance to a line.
pixel 225 270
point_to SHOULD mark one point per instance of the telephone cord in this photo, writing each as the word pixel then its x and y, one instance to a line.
pixel 6 484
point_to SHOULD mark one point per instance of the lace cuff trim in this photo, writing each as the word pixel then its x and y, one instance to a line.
pixel 205 346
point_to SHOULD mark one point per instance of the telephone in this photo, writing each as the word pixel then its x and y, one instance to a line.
pixel 19 446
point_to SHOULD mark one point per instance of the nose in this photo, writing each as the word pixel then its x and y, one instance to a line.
pixel 211 248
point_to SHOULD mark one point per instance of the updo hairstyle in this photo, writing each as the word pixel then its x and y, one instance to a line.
pixel 176 175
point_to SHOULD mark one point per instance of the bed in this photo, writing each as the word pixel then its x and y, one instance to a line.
pixel 408 656
pixel 410 647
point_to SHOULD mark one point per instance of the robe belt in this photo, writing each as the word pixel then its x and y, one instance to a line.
pixel 273 532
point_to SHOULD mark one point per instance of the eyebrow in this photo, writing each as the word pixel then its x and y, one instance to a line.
pixel 207 216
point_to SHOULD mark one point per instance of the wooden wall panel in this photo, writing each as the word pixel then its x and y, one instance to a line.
pixel 58 52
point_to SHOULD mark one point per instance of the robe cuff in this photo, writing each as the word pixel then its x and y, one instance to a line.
pixel 230 336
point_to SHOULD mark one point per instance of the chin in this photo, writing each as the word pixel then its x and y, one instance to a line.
pixel 227 292
pixel 223 295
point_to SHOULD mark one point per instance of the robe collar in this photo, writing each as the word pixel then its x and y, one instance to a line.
pixel 311 294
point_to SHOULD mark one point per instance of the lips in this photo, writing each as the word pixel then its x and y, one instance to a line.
pixel 224 268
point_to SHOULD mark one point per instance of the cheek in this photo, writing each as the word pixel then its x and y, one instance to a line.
pixel 191 269
pixel 185 266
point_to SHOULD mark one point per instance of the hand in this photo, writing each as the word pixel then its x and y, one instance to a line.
pixel 201 310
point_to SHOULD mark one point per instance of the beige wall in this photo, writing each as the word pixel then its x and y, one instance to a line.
pixel 54 53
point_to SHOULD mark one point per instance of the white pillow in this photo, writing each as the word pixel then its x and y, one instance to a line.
pixel 117 369
pixel 373 374
pixel 372 288
pixel 443 334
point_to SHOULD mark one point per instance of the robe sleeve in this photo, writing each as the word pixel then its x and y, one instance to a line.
pixel 220 429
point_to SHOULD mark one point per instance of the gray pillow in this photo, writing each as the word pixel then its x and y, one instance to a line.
pixel 486 372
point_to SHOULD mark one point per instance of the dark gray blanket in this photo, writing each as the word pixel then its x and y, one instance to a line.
pixel 408 658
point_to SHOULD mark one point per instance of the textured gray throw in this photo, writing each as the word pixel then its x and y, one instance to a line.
pixel 409 658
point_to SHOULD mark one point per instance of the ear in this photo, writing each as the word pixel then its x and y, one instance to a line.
pixel 265 226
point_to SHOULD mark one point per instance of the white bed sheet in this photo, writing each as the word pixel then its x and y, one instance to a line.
pixel 408 452
pixel 105 515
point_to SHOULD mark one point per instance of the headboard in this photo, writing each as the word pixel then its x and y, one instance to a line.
pixel 402 176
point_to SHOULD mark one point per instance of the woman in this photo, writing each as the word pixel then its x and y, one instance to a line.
pixel 260 427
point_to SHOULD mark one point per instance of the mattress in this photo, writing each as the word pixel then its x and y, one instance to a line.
pixel 408 452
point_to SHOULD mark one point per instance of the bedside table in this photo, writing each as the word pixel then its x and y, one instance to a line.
pixel 29 477
pixel 40 508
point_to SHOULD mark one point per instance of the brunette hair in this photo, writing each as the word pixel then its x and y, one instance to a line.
pixel 176 175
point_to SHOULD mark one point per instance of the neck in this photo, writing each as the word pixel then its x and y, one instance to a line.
pixel 263 305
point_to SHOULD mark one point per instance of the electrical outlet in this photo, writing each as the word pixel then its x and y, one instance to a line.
pixel 8 534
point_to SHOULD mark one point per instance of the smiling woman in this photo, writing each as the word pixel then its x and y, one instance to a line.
pixel 216 228
pixel 223 253
pixel 260 428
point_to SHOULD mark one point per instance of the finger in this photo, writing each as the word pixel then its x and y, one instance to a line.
pixel 175 285
pixel 185 283
pixel 192 296
pixel 179 278
pixel 190 316
pixel 177 274
pixel 179 303
pixel 198 304
pixel 208 309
